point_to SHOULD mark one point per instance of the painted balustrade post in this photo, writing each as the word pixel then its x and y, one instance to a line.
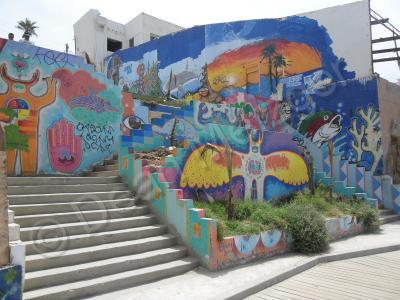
pixel 4 234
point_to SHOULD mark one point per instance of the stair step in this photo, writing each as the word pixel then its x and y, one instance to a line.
pixel 56 276
pixel 361 196
pixel 66 197
pixel 103 251
pixel 31 209
pixel 76 228
pixel 111 162
pixel 108 283
pixel 79 216
pixel 106 168
pixel 389 218
pixel 56 189
pixel 350 191
pixel 103 173
pixel 385 212
pixel 92 239
pixel 372 202
pixel 23 181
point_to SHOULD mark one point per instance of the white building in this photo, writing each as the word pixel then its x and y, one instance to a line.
pixel 97 37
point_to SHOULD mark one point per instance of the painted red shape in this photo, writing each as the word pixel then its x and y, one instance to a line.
pixel 65 149
pixel 277 162
pixel 219 158
pixel 76 84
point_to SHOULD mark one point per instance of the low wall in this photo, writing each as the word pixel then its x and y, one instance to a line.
pixel 156 185
pixel 241 249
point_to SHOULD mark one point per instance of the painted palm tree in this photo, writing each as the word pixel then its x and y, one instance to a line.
pixel 267 53
pixel 280 62
pixel 28 27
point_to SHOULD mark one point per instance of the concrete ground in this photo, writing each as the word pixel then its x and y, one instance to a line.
pixel 244 281
pixel 373 277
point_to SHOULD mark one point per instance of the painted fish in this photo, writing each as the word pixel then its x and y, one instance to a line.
pixel 92 102
pixel 321 126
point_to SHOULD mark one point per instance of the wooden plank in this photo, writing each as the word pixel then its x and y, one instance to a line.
pixel 381 21
pixel 385 50
pixel 349 286
pixel 374 277
pixel 385 59
pixel 386 39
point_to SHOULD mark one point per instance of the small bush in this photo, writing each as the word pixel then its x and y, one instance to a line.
pixel 367 214
pixel 307 227
pixel 243 210
pixel 270 217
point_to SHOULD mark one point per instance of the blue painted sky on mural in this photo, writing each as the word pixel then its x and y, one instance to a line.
pixel 186 14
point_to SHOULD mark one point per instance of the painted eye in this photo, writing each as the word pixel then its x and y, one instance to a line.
pixel 326 117
pixel 132 122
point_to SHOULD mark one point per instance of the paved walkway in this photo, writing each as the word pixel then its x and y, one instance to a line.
pixel 369 277
pixel 241 282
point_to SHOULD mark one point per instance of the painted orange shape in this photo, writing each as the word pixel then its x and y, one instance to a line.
pixel 196 228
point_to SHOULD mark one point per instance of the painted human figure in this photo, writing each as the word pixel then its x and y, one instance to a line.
pixel 27 106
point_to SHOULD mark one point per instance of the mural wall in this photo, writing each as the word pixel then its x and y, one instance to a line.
pixel 269 71
pixel 58 115
pixel 11 283
pixel 266 163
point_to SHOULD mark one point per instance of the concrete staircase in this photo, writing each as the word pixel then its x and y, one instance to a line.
pixel 87 235
pixel 388 216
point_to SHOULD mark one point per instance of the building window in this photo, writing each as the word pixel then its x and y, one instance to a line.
pixel 113 45
pixel 131 42
pixel 153 36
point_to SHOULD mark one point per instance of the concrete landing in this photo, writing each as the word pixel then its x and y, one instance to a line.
pixel 241 282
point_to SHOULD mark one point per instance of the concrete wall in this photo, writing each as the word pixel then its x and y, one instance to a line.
pixel 59 116
pixel 4 233
pixel 92 30
pixel 349 28
pixel 389 99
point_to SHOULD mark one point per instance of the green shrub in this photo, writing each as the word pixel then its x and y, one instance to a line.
pixel 367 214
pixel 243 210
pixel 270 217
pixel 307 227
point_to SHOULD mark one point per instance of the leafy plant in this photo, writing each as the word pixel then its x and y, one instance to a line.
pixel 307 227
pixel 366 214
pixel 28 27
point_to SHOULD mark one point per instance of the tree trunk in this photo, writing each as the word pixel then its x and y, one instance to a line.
pixel 4 239
pixel 270 73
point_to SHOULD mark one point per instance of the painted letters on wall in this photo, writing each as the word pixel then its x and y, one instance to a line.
pixel 59 116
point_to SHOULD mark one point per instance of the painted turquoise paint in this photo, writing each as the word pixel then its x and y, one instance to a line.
pixel 199 236
pixel 387 192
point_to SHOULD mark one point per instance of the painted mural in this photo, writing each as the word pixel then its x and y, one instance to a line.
pixel 269 71
pixel 11 283
pixel 58 115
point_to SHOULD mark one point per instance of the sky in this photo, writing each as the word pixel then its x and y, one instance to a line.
pixel 56 17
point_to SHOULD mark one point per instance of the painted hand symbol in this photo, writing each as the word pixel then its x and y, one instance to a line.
pixel 65 149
